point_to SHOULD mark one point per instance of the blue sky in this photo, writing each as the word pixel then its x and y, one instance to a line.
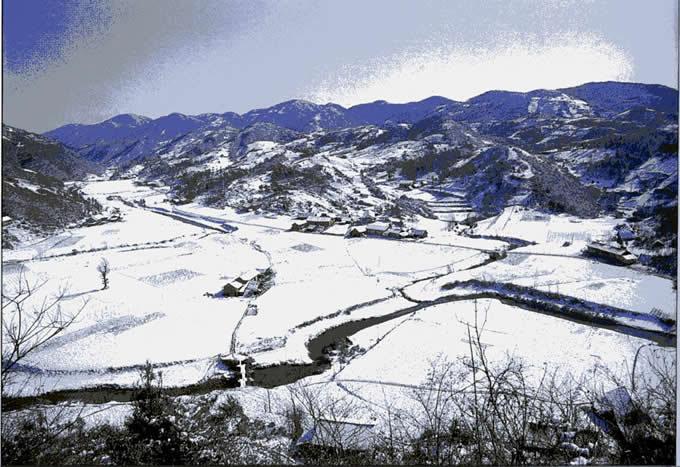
pixel 87 60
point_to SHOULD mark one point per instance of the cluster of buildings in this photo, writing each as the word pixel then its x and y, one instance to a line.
pixel 388 229
pixel 112 215
pixel 409 185
pixel 317 223
pixel 383 227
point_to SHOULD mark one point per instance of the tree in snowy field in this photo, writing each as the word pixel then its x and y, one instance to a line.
pixel 29 320
pixel 104 268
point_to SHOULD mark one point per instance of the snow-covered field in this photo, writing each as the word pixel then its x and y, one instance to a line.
pixel 161 304
pixel 404 356
pixel 567 275
pixel 534 226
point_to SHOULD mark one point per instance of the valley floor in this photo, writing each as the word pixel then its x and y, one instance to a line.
pixel 543 303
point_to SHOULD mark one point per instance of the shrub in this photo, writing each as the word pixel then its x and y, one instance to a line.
pixel 152 433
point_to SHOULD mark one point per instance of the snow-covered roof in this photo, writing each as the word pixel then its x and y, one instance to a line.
pixel 617 400
pixel 248 276
pixel 346 434
pixel 318 220
pixel 236 285
pixel 378 226
pixel 607 248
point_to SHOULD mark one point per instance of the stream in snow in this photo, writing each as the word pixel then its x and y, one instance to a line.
pixel 320 349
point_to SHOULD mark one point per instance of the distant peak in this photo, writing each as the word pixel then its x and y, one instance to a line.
pixel 298 103
pixel 128 119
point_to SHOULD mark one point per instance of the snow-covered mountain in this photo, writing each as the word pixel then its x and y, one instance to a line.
pixel 586 150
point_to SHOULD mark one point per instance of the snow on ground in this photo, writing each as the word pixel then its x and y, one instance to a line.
pixel 395 259
pixel 578 277
pixel 93 415
pixel 156 307
pixel 534 226
pixel 296 339
pixel 317 275
pixel 409 346
pixel 437 233
pixel 138 228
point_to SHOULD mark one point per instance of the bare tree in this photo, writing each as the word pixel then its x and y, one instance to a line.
pixel 28 323
pixel 104 269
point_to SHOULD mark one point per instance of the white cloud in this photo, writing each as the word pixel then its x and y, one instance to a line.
pixel 460 72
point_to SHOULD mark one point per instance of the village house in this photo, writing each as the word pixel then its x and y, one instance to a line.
pixel 297 226
pixel 237 287
pixel 625 235
pixel 395 221
pixel 323 221
pixel 356 231
pixel 343 220
pixel 342 434
pixel 610 252
pixel 248 276
pixel 377 228
pixel 658 244
pixel 614 410
pixel 392 233
pixel 234 288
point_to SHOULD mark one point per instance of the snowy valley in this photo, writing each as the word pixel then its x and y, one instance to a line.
pixel 349 253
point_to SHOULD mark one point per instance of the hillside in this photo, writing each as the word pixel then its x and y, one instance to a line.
pixel 590 150
pixel 34 195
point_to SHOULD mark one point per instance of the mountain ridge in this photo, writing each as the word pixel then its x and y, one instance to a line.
pixel 242 120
